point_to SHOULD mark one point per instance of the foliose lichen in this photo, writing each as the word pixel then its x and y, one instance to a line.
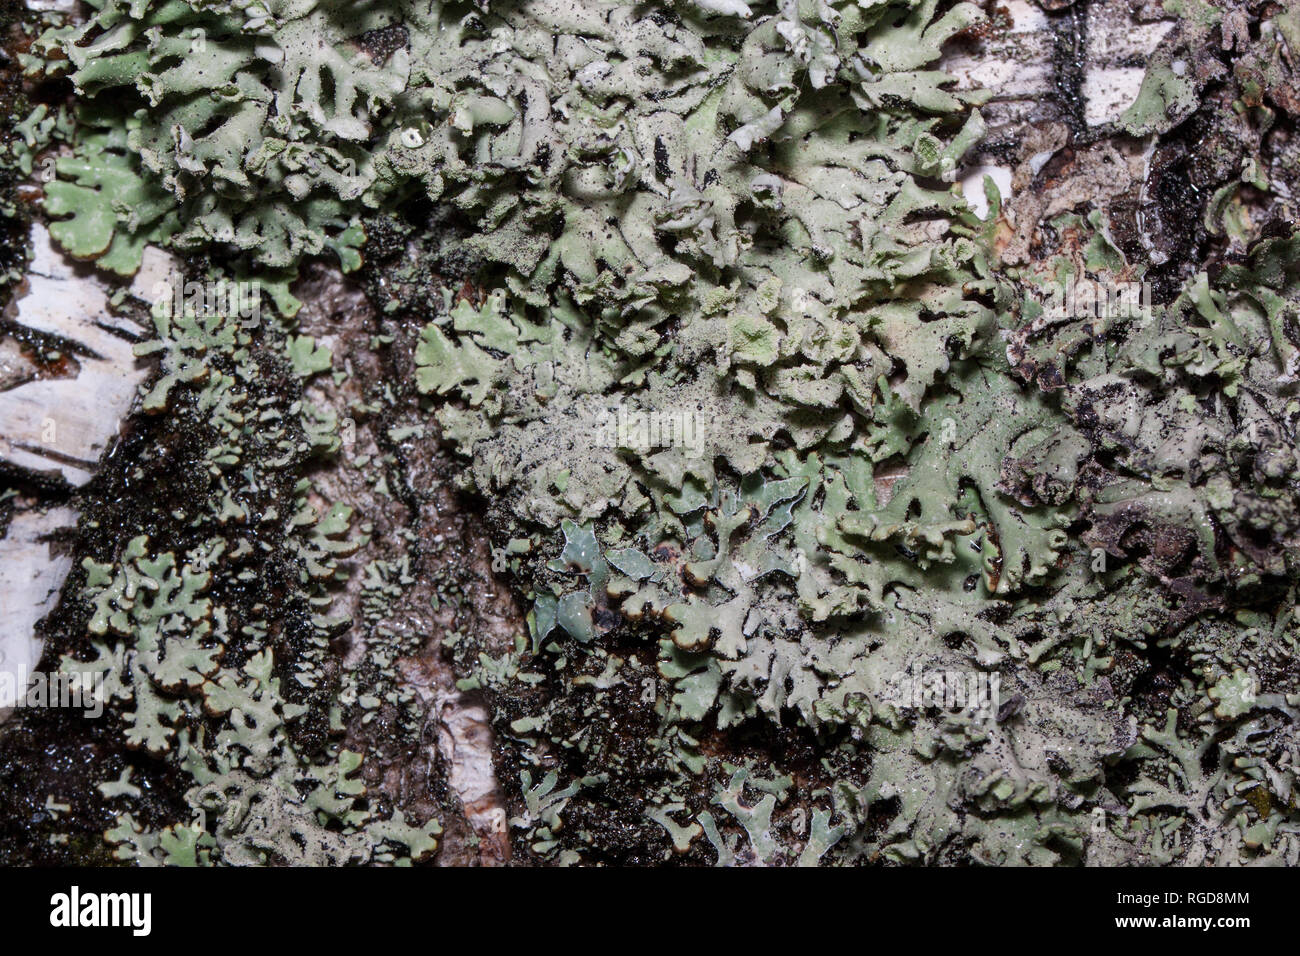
pixel 766 431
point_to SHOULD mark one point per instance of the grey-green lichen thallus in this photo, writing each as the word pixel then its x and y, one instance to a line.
pixel 835 543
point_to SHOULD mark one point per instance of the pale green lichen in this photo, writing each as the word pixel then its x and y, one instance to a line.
pixel 885 460
pixel 878 492
pixel 190 666
pixel 240 124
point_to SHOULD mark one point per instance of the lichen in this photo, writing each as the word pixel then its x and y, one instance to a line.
pixel 771 442
pixel 199 661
